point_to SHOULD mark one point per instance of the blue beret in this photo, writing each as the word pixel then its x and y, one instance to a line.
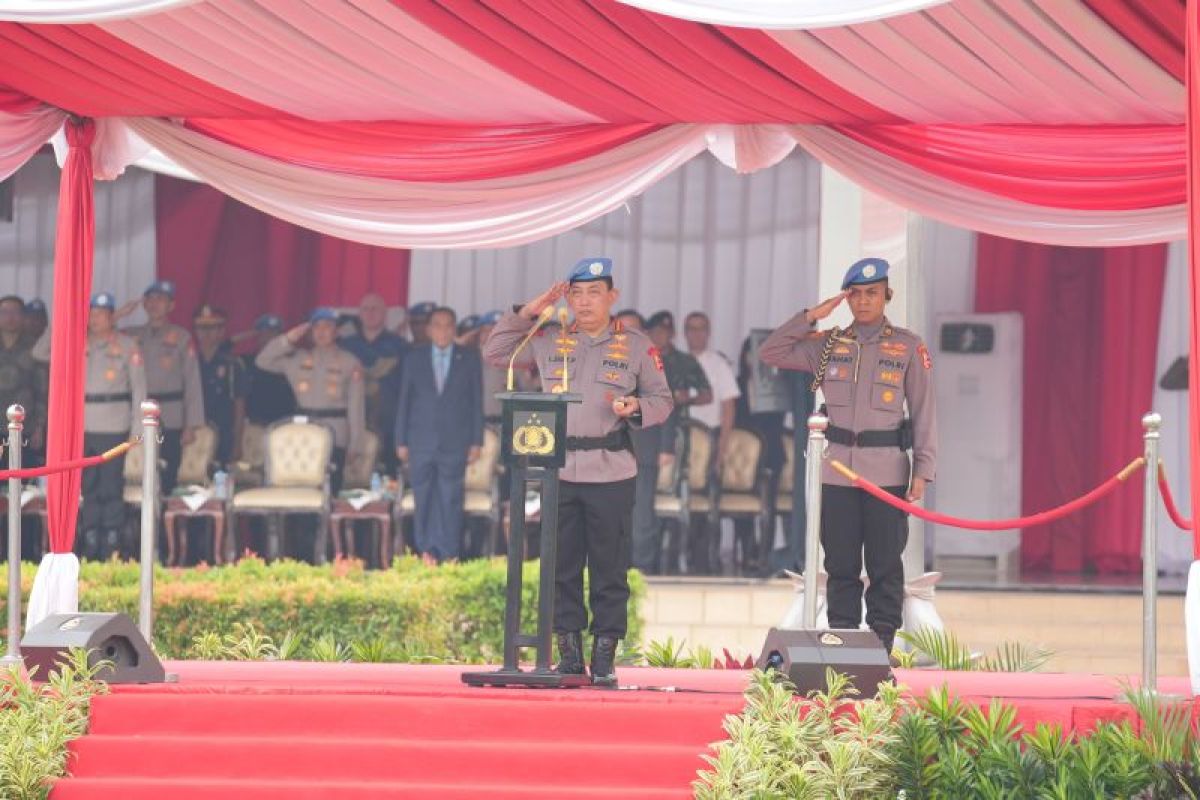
pixel 161 287
pixel 468 324
pixel 104 300
pixel 268 322
pixel 491 318
pixel 421 309
pixel 323 313
pixel 36 305
pixel 591 269
pixel 865 270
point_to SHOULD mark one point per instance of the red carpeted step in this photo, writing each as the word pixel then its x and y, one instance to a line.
pixel 564 762
pixel 207 788
pixel 522 718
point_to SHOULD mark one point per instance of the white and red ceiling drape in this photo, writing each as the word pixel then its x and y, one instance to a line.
pixel 484 123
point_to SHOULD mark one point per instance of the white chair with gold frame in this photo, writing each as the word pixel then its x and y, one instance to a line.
pixel 296 481
pixel 742 490
pixel 248 471
pixel 360 465
pixel 677 500
pixel 194 464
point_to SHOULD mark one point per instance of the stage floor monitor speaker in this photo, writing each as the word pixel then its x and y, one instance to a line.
pixel 804 656
pixel 107 637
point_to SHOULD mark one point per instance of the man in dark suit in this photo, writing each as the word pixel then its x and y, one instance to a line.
pixel 439 430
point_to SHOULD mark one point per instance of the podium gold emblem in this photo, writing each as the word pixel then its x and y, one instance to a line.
pixel 533 438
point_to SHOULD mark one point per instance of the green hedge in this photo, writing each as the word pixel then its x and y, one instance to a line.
pixel 452 612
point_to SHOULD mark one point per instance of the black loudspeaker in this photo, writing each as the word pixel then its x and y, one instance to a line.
pixel 106 637
pixel 805 655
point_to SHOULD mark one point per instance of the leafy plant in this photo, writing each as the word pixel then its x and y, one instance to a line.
pixel 327 648
pixel 946 651
pixel 374 651
pixel 669 654
pixel 38 720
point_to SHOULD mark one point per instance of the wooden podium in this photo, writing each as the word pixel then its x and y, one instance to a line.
pixel 533 443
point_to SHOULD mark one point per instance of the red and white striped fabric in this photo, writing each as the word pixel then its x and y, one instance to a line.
pixel 1051 120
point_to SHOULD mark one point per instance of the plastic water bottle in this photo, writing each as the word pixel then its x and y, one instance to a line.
pixel 376 483
pixel 220 483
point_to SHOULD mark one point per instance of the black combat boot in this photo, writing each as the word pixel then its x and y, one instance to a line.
pixel 604 656
pixel 570 653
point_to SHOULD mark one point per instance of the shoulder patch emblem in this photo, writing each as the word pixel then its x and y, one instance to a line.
pixel 654 354
pixel 926 360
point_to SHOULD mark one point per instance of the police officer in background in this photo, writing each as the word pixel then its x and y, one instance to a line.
pixel 418 319
pixel 327 381
pixel 381 353
pixel 619 374
pixel 35 320
pixel 113 393
pixel 172 374
pixel 494 378
pixel 21 377
pixel 868 374
pixel 269 396
pixel 222 378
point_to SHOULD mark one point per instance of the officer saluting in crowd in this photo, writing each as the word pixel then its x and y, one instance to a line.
pixel 327 382
pixel 868 373
pixel 113 393
pixel 172 374
pixel 619 374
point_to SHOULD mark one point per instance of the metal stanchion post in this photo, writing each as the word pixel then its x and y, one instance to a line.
pixel 1150 424
pixel 150 413
pixel 817 424
pixel 16 430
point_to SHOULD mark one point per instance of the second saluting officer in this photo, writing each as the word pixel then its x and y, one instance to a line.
pixel 868 373
pixel 620 375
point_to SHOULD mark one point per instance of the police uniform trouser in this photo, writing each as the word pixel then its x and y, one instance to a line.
pixel 103 485
pixel 855 527
pixel 171 453
pixel 594 530
pixel 647 531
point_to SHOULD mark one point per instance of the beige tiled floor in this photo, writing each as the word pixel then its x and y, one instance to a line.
pixel 1087 631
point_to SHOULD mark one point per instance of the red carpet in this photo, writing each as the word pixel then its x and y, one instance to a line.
pixel 297 730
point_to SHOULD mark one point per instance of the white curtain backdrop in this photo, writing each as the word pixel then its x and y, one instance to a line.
pixel 125 246
pixel 741 247
pixel 62 11
pixel 782 13
pixel 1174 545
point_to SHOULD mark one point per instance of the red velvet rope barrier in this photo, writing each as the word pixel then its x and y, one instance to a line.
pixel 63 466
pixel 1164 488
pixel 992 525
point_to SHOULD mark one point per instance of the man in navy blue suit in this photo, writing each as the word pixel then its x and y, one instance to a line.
pixel 439 430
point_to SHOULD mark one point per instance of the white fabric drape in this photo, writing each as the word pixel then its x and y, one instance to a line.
pixel 974 209
pixel 493 213
pixel 741 247
pixel 125 233
pixel 59 12
pixel 55 588
pixel 782 13
pixel 1020 61
pixel 1174 545
pixel 22 133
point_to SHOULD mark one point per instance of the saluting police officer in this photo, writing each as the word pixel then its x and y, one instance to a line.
pixel 113 395
pixel 868 374
pixel 620 376
pixel 327 381
pixel 223 380
pixel 20 375
pixel 172 374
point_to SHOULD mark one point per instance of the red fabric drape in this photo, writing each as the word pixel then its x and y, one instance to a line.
pixel 623 64
pixel 73 245
pixel 420 152
pixel 220 251
pixel 1127 166
pixel 1193 183
pixel 1091 338
pixel 1154 26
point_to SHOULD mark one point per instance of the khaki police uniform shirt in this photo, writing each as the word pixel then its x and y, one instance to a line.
pixel 871 374
pixel 22 380
pixel 323 379
pixel 617 363
pixel 172 369
pixel 114 367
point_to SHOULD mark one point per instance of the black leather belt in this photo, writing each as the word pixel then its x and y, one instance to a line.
pixel 168 397
pixel 120 397
pixel 322 413
pixel 844 436
pixel 614 442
